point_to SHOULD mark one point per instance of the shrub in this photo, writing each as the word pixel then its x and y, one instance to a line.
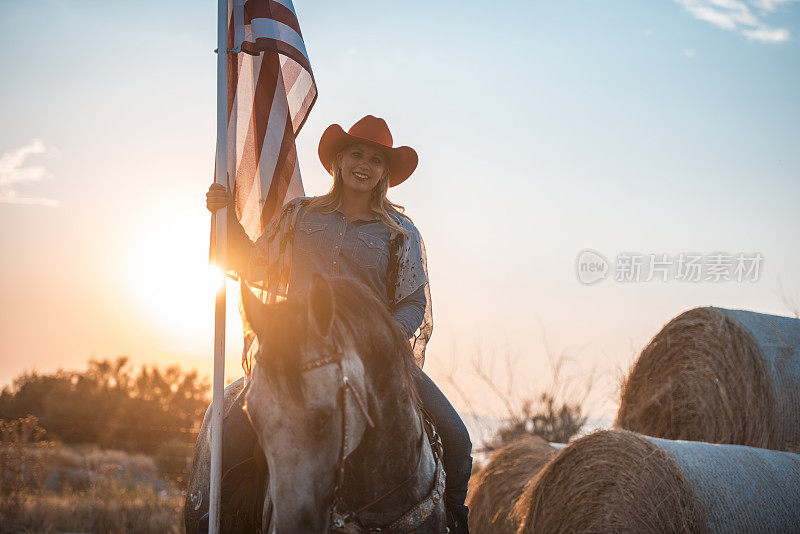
pixel 22 455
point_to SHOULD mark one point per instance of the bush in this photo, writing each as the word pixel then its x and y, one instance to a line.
pixel 110 405
pixel 552 420
pixel 22 456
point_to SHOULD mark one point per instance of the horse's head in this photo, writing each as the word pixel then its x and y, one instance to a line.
pixel 311 392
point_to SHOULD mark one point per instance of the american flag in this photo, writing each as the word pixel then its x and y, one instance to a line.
pixel 271 90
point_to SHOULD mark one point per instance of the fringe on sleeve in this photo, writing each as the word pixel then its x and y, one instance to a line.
pixel 411 273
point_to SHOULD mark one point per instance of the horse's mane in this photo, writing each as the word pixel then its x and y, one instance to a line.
pixel 360 321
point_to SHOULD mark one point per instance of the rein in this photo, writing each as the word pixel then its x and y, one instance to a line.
pixel 348 522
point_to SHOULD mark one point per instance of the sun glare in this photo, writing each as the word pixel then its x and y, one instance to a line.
pixel 215 277
pixel 171 281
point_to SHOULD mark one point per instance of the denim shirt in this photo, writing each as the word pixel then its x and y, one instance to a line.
pixel 292 248
pixel 333 245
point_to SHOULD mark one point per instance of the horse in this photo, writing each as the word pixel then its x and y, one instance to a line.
pixel 331 399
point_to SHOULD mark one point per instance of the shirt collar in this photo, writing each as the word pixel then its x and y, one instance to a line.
pixel 373 218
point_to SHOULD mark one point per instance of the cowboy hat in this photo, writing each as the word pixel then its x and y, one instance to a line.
pixel 372 131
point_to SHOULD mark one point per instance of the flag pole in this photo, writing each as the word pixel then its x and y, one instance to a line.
pixel 218 388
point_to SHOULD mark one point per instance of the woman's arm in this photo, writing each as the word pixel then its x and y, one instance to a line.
pixel 410 311
pixel 239 244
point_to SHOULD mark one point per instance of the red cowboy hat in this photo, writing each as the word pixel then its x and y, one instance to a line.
pixel 372 131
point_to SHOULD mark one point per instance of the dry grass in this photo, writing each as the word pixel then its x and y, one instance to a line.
pixel 495 489
pixel 48 487
pixel 610 481
pixel 701 378
pixel 108 506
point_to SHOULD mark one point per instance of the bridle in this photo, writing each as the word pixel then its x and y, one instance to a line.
pixel 348 522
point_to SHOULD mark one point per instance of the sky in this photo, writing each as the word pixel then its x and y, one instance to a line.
pixel 544 129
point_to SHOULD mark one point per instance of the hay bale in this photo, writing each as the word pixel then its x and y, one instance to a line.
pixel 609 481
pixel 743 489
pixel 618 481
pixel 496 488
pixel 721 376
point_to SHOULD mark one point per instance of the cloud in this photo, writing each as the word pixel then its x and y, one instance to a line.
pixel 688 52
pixel 739 16
pixel 770 5
pixel 13 173
pixel 767 35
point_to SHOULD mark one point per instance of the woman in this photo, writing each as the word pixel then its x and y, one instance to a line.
pixel 354 231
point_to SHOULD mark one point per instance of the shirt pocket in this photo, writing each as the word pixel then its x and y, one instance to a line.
pixel 370 250
pixel 308 236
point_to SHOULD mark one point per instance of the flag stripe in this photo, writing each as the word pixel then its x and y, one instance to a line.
pixel 249 168
pixel 287 4
pixel 282 14
pixel 234 66
pixel 264 44
pixel 271 10
pixel 305 108
pixel 287 159
pixel 301 90
pixel 272 29
pixel 290 70
pixel 271 92
pixel 247 174
pixel 275 138
pixel 268 84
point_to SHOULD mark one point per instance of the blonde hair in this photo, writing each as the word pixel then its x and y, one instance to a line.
pixel 378 204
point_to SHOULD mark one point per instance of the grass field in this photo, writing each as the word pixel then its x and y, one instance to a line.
pixel 50 488
pixel 104 508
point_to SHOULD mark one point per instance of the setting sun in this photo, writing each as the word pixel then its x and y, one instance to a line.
pixel 169 278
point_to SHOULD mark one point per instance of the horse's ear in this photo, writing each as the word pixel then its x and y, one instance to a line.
pixel 255 311
pixel 320 305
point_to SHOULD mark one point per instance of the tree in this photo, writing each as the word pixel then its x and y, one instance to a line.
pixel 152 410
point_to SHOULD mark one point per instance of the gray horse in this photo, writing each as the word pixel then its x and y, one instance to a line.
pixel 331 399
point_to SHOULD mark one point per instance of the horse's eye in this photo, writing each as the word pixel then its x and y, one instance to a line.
pixel 321 421
pixel 320 417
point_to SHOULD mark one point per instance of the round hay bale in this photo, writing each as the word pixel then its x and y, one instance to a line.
pixel 720 376
pixel 618 481
pixel 609 481
pixel 743 489
pixel 496 488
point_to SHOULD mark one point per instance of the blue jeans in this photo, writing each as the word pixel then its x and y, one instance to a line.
pixel 456 443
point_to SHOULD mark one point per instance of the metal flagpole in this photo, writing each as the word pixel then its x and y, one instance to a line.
pixel 218 390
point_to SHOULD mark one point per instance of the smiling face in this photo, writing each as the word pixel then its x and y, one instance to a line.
pixel 362 166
